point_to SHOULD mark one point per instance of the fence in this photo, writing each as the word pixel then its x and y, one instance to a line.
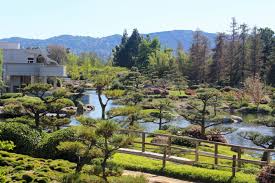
pixel 168 147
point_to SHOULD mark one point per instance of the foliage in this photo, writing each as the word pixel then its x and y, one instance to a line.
pixel 109 142
pixel 162 112
pixel 24 138
pixel 255 89
pixel 199 110
pixel 266 175
pixel 6 145
pixel 47 147
pixel 11 95
pixel 133 114
pixel 184 172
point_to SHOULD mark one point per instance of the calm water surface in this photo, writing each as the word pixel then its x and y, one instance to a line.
pixel 233 138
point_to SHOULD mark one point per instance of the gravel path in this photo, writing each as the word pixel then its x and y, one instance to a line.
pixel 154 178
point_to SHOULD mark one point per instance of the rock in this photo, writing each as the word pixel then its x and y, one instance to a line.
pixel 89 107
pixel 236 118
pixel 265 100
pixel 217 138
pixel 160 140
pixel 232 119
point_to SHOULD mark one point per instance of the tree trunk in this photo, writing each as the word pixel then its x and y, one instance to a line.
pixel 78 167
pixel 37 120
pixel 160 119
pixel 103 111
pixel 103 106
pixel 104 162
pixel 103 165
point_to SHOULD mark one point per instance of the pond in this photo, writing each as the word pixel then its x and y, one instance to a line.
pixel 233 138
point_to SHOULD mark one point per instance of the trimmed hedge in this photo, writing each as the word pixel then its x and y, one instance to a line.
pixel 185 172
pixel 23 136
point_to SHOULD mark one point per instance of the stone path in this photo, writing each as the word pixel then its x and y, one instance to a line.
pixel 154 178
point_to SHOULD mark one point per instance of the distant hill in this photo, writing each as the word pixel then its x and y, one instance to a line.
pixel 103 46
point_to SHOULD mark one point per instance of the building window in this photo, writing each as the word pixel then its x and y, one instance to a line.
pixel 30 60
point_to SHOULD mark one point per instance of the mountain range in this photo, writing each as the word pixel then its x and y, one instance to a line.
pixel 103 46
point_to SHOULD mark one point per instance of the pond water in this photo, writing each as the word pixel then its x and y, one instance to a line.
pixel 233 138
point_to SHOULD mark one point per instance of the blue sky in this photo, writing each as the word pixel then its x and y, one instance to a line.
pixel 97 18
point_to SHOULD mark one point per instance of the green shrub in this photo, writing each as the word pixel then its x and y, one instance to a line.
pixel 22 119
pixel 185 172
pixel 158 132
pixel 266 175
pixel 47 147
pixel 25 138
pixel 11 95
pixel 264 109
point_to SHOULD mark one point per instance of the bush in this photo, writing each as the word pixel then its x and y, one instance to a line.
pixel 47 147
pixel 264 109
pixel 25 138
pixel 23 119
pixel 185 172
pixel 265 175
pixel 11 95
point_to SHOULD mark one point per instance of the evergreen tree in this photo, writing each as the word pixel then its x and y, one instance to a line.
pixel 243 50
pixel 267 39
pixel 199 54
pixel 217 67
pixel 255 52
pixel 233 53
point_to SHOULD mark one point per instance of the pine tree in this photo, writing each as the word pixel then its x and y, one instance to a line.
pixel 233 54
pixel 255 52
pixel 243 50
pixel 267 39
pixel 199 54
pixel 217 67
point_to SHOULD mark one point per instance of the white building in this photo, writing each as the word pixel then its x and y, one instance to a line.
pixel 25 66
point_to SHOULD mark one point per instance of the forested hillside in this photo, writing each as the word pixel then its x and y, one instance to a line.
pixel 103 46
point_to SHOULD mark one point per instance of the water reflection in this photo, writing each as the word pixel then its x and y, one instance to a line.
pixel 233 138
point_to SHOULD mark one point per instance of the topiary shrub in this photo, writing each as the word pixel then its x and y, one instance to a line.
pixel 25 138
pixel 11 95
pixel 265 175
pixel 47 147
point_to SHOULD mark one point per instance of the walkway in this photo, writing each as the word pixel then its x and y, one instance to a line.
pixel 154 178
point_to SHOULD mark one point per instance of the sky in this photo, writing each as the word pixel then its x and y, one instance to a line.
pixel 98 18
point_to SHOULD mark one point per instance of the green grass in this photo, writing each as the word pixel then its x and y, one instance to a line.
pixel 184 172
pixel 204 160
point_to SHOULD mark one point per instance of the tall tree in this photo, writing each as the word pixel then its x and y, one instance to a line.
pixel 243 50
pixel 217 67
pixel 267 40
pixel 199 54
pixel 126 54
pixel 233 54
pixel 255 52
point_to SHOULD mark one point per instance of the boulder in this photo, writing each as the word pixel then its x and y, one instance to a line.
pixel 236 118
pixel 265 100
pixel 89 107
pixel 160 140
pixel 232 119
